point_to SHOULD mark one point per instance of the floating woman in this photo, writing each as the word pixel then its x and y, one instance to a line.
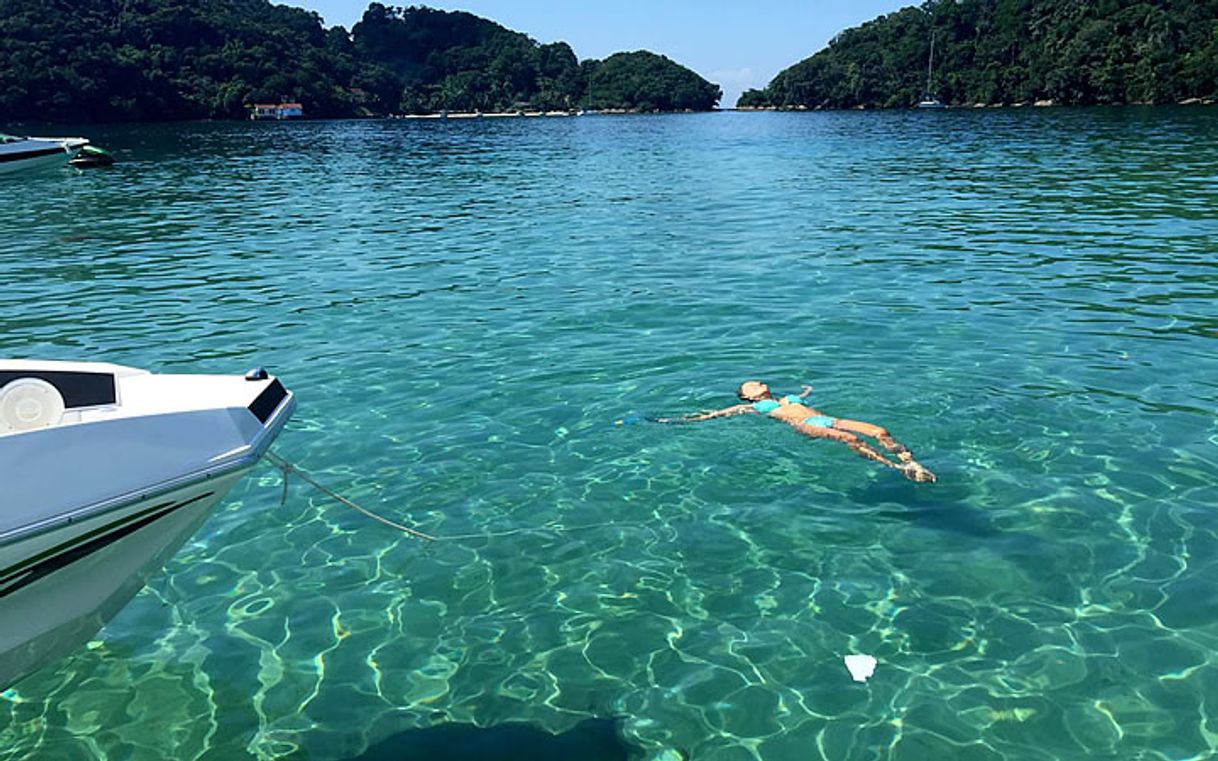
pixel 812 422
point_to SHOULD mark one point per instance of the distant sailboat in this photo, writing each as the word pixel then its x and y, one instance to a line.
pixel 928 100
pixel 588 110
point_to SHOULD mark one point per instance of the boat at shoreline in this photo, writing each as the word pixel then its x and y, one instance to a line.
pixel 17 153
pixel 107 471
pixel 929 100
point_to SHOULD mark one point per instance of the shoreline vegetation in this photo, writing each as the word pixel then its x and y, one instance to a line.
pixel 1010 53
pixel 969 106
pixel 536 114
pixel 170 60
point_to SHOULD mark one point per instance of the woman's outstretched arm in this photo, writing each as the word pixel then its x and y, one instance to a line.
pixel 736 409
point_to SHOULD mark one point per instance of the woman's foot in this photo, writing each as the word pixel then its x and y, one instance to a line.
pixel 914 471
pixel 892 445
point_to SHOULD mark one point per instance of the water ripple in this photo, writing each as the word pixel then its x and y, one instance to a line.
pixel 1027 298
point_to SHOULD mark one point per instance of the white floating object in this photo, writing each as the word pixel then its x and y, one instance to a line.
pixel 860 666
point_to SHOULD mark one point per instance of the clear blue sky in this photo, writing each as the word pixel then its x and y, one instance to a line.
pixel 736 44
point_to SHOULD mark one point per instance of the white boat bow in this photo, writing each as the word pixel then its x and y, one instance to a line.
pixel 107 470
pixel 24 152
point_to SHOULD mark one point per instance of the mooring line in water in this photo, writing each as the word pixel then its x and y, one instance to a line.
pixel 288 468
pixel 527 529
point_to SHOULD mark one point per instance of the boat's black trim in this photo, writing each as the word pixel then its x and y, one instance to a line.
pixel 69 552
pixel 78 389
pixel 7 157
pixel 8 573
pixel 268 401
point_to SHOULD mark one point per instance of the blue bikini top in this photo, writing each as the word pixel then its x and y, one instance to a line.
pixel 766 406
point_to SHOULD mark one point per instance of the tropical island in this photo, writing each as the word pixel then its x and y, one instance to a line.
pixel 1010 52
pixel 160 60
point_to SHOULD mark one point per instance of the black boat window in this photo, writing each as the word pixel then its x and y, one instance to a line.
pixel 77 389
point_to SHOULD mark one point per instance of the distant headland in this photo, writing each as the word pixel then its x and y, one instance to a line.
pixel 1010 52
pixel 162 60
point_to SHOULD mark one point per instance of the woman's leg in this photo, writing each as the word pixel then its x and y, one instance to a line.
pixel 911 468
pixel 849 439
pixel 879 433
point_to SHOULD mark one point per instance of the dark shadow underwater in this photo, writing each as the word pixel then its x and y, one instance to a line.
pixel 590 740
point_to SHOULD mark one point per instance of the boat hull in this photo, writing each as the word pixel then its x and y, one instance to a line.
pixel 22 164
pixel 62 586
pixel 35 153
pixel 104 472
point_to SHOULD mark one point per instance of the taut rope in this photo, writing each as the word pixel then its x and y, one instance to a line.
pixel 288 468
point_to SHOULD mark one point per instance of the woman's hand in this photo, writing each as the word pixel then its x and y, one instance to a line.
pixel 807 390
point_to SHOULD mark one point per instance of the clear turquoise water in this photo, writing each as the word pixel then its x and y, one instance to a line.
pixel 1028 299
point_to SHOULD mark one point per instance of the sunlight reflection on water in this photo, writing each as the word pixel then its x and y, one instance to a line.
pixel 1025 298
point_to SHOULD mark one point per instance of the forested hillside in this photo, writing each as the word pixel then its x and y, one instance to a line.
pixel 165 59
pixel 1079 52
pixel 647 82
pixel 458 61
pixel 120 60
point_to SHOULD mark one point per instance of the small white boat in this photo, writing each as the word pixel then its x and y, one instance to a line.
pixel 24 152
pixel 105 472
pixel 928 100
